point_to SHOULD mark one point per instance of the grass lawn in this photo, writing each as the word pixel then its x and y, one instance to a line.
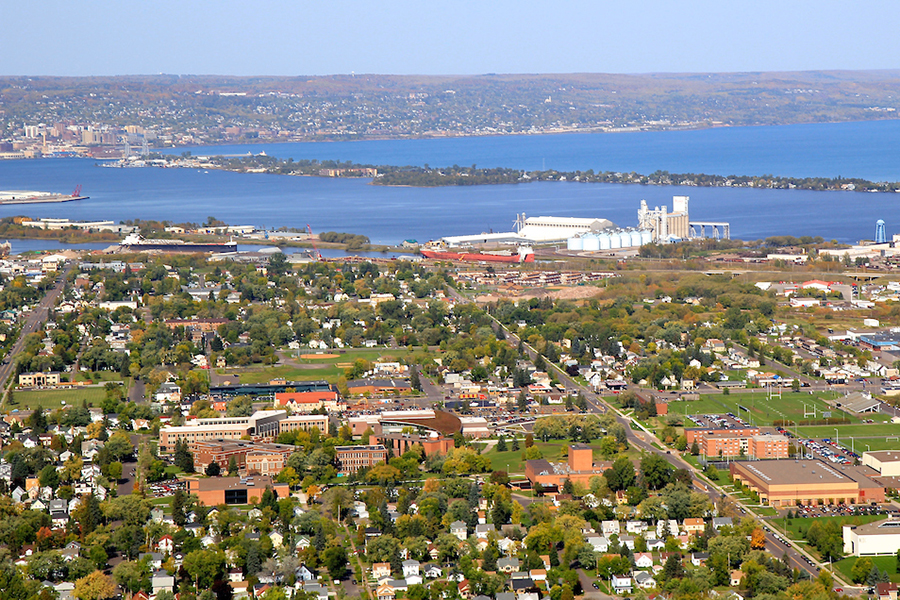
pixel 884 563
pixel 314 369
pixel 763 411
pixel 53 399
pixel 797 528
pixel 554 451
pixel 857 431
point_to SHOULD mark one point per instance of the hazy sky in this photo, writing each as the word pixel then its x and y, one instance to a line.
pixel 320 37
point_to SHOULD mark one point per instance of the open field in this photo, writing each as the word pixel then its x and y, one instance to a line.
pixel 763 411
pixel 797 528
pixel 325 366
pixel 53 399
pixel 864 430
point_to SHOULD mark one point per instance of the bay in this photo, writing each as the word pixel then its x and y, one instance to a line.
pixel 869 150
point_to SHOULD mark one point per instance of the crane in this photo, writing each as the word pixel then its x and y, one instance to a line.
pixel 316 254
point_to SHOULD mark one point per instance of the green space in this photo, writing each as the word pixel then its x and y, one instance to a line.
pixel 53 399
pixel 312 369
pixel 797 528
pixel 762 410
pixel 858 431
pixel 888 564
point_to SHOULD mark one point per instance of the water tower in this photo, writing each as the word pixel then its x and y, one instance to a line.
pixel 880 236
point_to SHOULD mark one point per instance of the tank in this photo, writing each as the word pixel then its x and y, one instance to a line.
pixel 615 240
pixel 646 237
pixel 625 239
pixel 604 239
pixel 575 243
pixel 635 238
pixel 591 243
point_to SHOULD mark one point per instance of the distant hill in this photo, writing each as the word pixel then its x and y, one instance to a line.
pixel 210 109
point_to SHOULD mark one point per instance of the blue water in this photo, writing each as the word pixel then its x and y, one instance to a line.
pixel 869 150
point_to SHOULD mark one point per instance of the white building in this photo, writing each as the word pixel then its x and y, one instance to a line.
pixel 886 462
pixel 878 538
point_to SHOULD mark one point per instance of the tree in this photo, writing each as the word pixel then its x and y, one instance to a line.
pixel 335 560
pixel 204 566
pixel 37 420
pixel 757 539
pixel 861 569
pixel 655 471
pixel 213 469
pixel 132 576
pixel 119 446
pixel 501 444
pixel 621 475
pixel 695 448
pixel 232 467
pixel 414 381
pixel 183 458
pixel 95 586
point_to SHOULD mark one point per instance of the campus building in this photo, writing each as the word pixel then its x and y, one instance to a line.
pixel 307 402
pixel 351 459
pixel 423 422
pixel 872 539
pixel 213 491
pixel 223 451
pixel 791 482
pixel 260 426
pixel 401 442
pixel 717 444
pixel 886 462
pixel 579 468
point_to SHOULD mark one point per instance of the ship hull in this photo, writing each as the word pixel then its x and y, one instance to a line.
pixel 477 257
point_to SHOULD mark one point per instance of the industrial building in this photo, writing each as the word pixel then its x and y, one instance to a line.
pixel 872 539
pixel 532 230
pixel 886 462
pixel 578 469
pixel 664 225
pixel 782 483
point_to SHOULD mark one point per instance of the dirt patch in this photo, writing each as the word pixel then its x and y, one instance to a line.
pixel 315 356
pixel 565 293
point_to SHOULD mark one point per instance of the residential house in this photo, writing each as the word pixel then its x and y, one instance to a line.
pixel 381 570
pixel 699 558
pixel 644 580
pixel 720 522
pixel 410 568
pixel 610 528
pixel 161 580
pixel 643 560
pixel 459 529
pixel 508 564
pixel 736 576
pixel 154 559
pixel 432 571
pixel 385 592
pixel 694 526
pixel 621 584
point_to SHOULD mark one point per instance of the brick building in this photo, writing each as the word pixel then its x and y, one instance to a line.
pixel 222 451
pixel 351 459
pixel 213 491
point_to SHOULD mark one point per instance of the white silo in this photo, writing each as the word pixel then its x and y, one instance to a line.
pixel 635 238
pixel 591 243
pixel 604 240
pixel 646 237
pixel 575 243
pixel 615 240
pixel 625 239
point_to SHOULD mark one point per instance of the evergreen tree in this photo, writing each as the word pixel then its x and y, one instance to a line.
pixel 515 443
pixel 178 502
pixel 414 381
pixel 232 467
pixel 501 444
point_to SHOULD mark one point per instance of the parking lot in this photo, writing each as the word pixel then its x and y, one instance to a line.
pixel 716 421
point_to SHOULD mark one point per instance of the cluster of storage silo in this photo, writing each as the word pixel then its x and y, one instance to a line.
pixel 609 240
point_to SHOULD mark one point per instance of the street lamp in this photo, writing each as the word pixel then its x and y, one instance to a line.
pixel 837 438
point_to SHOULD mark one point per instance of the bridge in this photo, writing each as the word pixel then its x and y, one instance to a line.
pixel 718 230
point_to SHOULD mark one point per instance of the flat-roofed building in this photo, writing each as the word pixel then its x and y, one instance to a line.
pixel 579 468
pixel 872 539
pixel 207 452
pixel 768 446
pixel 424 421
pixel 38 379
pixel 305 423
pixel 351 459
pixel 886 462
pixel 790 482
pixel 306 402
pixel 401 442
pixel 213 491
pixel 698 433
pixel 261 425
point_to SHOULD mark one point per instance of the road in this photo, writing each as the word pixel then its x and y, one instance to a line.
pixel 644 440
pixel 34 322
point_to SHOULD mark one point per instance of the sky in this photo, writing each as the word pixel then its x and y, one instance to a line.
pixel 459 37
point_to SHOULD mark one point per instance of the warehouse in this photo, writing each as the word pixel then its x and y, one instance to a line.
pixel 791 482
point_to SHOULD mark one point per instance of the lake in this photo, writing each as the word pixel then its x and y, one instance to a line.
pixel 869 150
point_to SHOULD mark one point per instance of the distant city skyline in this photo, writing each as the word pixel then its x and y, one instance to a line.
pixel 278 37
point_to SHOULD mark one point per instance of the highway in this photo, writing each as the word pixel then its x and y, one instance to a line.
pixel 33 323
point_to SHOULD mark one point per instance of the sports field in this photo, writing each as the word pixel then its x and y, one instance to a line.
pixel 53 399
pixel 755 407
